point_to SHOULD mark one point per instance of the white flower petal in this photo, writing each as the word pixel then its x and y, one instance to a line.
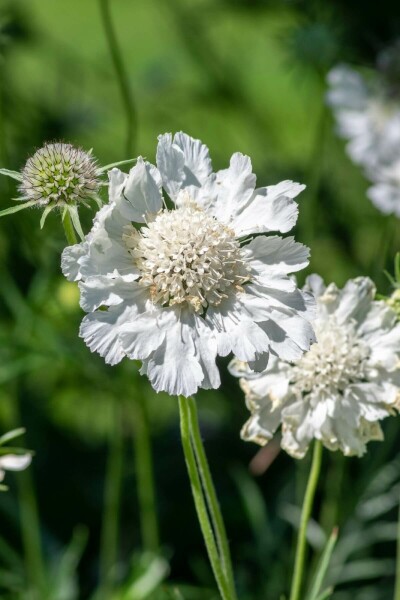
pixel 355 299
pixel 15 462
pixel 103 252
pixel 170 163
pixel 271 209
pixel 70 261
pixel 147 332
pixel 141 197
pixel 173 367
pixel 197 166
pixel 100 331
pixel 116 184
pixel 235 188
pixel 274 255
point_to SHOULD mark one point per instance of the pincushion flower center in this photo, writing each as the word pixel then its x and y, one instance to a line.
pixel 335 361
pixel 185 256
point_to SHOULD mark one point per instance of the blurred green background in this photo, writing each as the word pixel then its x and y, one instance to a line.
pixel 242 75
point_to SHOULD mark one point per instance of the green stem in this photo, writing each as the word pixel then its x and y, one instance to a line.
pixel 112 496
pixel 69 229
pixel 145 478
pixel 211 496
pixel 305 517
pixel 397 582
pixel 199 501
pixel 30 525
pixel 123 82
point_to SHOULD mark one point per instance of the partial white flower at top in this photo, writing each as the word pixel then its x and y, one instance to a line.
pixel 340 389
pixel 385 193
pixel 366 116
pixel 189 282
pixel 14 462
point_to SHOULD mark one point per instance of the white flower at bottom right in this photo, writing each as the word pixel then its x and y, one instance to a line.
pixel 340 389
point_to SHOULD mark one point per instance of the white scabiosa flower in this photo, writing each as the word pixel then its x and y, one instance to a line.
pixel 340 389
pixel 366 116
pixel 176 286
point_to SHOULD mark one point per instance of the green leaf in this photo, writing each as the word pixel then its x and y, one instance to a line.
pixel 11 435
pixel 325 594
pixel 73 211
pixel 14 174
pixel 115 164
pixel 322 568
pixel 14 209
pixel 44 216
pixel 147 577
pixel 397 267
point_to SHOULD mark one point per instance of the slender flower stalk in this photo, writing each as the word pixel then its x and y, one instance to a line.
pixel 297 580
pixel 201 495
pixel 211 496
pixel 397 581
pixel 112 494
pixel 145 478
pixel 30 522
pixel 69 230
pixel 121 75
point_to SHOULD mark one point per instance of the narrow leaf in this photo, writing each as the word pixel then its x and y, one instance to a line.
pixel 14 174
pixel 11 435
pixel 14 209
pixel 73 211
pixel 325 594
pixel 46 212
pixel 323 565
pixel 115 164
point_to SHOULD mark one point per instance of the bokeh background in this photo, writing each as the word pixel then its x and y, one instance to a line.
pixel 242 75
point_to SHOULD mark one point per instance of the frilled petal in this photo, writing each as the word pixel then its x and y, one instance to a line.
pixel 355 300
pixel 270 209
pixel 182 161
pixel 315 284
pixel 273 256
pixel 71 261
pixel 116 179
pixel 173 367
pixel 235 332
pixel 103 291
pixel 235 186
pixel 141 198
pixel 103 252
pixel 100 331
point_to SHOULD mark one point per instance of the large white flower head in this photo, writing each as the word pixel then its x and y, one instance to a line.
pixel 340 389
pixel 367 116
pixel 174 281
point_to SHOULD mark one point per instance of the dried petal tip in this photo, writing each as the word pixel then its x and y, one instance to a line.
pixel 59 175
